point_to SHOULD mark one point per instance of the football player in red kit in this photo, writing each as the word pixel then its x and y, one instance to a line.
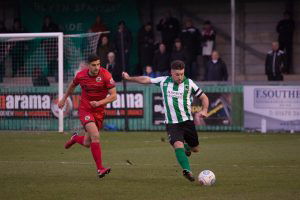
pixel 98 89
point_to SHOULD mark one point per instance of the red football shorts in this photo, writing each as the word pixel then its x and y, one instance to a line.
pixel 86 117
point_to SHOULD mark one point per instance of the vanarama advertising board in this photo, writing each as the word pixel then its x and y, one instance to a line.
pixel 37 105
pixel 275 107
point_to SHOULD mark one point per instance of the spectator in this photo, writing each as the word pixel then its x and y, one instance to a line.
pixel 275 62
pixel 113 67
pixel 285 29
pixel 145 46
pixel 98 26
pixel 49 46
pixel 124 32
pixel 18 49
pixel 191 40
pixel 149 72
pixel 208 41
pixel 169 28
pixel 38 78
pixel 161 61
pixel 3 51
pixel 49 25
pixel 178 53
pixel 104 48
pixel 215 69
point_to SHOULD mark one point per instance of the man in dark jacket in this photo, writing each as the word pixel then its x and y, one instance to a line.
pixel 49 44
pixel 124 32
pixel 145 47
pixel 191 40
pixel 285 28
pixel 208 41
pixel 169 28
pixel 275 62
pixel 103 49
pixel 215 69
pixel 161 61
pixel 18 50
pixel 49 25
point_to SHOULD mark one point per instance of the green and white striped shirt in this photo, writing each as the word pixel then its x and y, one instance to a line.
pixel 177 98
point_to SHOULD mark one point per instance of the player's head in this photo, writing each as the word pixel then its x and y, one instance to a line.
pixel 94 64
pixel 177 71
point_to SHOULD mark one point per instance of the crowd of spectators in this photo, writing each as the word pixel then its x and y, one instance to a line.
pixel 176 41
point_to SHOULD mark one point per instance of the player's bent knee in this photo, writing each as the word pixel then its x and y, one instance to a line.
pixel 178 144
pixel 95 138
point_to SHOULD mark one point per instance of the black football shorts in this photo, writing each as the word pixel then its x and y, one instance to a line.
pixel 184 132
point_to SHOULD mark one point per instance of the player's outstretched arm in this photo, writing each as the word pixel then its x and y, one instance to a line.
pixel 205 102
pixel 69 91
pixel 137 79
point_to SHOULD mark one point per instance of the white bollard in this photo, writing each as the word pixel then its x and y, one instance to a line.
pixel 263 125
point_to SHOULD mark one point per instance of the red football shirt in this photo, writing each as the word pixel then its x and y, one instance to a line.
pixel 93 88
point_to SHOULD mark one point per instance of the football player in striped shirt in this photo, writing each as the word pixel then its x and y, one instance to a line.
pixel 177 91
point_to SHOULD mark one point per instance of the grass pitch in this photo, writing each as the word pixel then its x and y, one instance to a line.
pixel 247 166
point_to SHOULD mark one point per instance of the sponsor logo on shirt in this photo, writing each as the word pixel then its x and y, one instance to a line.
pixel 175 94
pixel 86 118
pixel 98 79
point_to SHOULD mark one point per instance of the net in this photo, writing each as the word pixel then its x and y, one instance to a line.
pixel 77 47
pixel 29 68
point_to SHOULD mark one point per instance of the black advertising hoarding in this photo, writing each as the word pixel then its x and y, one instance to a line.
pixel 158 113
pixel 219 111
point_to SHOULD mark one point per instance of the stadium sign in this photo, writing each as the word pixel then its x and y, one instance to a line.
pixel 45 105
pixel 24 102
pixel 25 105
pixel 276 106
pixel 116 109
pixel 135 105
pixel 219 111
pixel 158 115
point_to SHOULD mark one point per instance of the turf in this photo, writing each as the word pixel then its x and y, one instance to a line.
pixel 247 166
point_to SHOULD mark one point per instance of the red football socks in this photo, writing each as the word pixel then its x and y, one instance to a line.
pixel 96 151
pixel 79 139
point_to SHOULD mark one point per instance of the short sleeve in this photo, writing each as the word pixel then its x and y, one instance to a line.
pixel 195 89
pixel 157 80
pixel 76 80
pixel 109 81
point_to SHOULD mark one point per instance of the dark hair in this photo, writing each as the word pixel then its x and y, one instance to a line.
pixel 177 64
pixel 207 22
pixel 92 58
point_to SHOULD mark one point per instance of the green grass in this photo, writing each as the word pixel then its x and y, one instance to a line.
pixel 247 166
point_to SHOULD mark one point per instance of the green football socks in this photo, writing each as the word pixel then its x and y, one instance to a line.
pixel 182 159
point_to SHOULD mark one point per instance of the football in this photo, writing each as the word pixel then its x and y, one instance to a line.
pixel 207 178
